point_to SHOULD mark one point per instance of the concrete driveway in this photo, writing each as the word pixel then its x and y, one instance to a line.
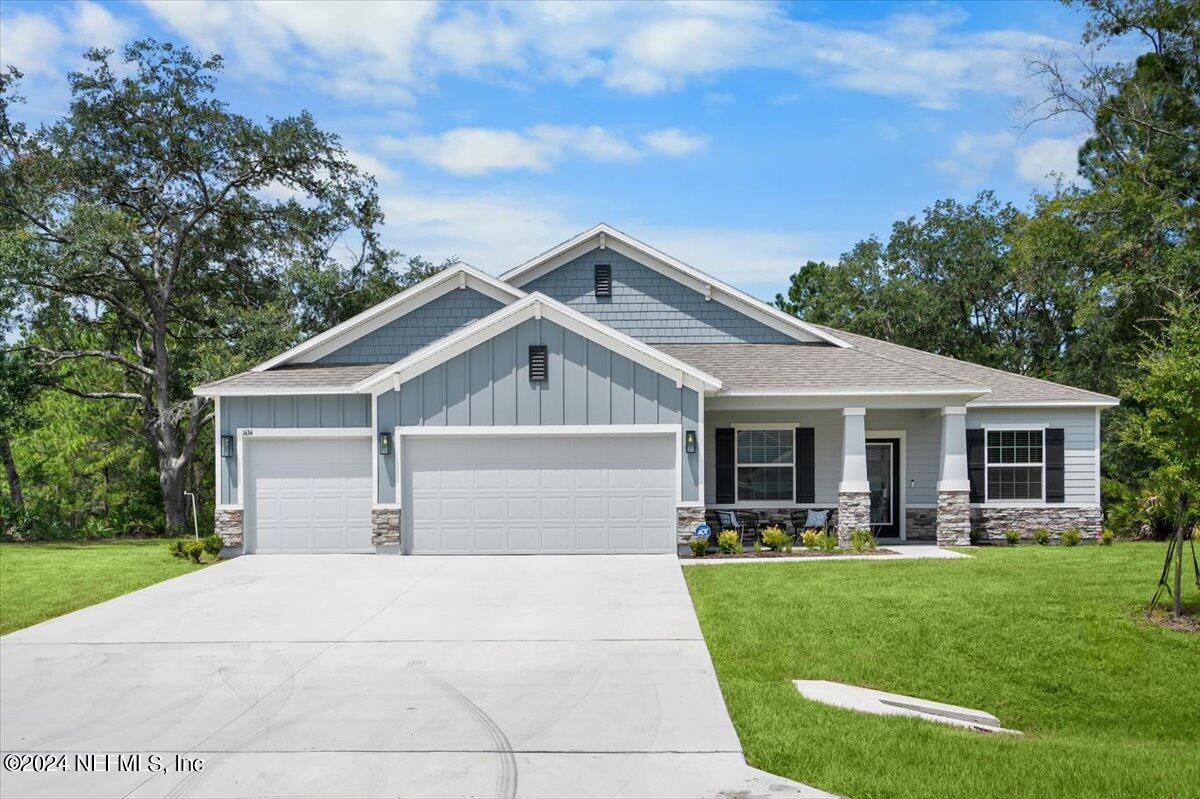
pixel 366 676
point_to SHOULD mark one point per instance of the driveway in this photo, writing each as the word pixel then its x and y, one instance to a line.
pixel 361 676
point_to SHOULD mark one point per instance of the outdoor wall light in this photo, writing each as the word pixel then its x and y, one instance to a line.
pixel 226 446
pixel 385 443
pixel 912 483
pixel 689 441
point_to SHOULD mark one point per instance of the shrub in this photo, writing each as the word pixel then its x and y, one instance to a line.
pixel 194 550
pixel 775 538
pixel 1070 538
pixel 862 541
pixel 212 544
pixel 811 538
pixel 729 541
pixel 176 548
pixel 96 528
pixel 1041 536
pixel 1012 536
pixel 1106 537
pixel 698 545
pixel 827 542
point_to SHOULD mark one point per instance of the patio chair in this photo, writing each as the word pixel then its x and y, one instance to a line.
pixel 748 524
pixel 822 519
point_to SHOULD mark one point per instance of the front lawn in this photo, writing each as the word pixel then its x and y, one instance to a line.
pixel 1048 639
pixel 41 581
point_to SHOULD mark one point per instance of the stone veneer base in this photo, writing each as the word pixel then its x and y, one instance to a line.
pixel 989 524
pixel 385 530
pixel 228 523
pixel 854 513
pixel 954 518
pixel 920 524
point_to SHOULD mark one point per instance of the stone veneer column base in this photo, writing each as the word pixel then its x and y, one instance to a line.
pixel 385 530
pixel 854 513
pixel 989 524
pixel 227 523
pixel 686 519
pixel 954 518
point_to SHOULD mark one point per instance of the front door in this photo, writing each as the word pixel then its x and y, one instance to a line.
pixel 883 475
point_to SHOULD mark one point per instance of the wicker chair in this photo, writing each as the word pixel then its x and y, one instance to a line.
pixel 748 524
pixel 800 521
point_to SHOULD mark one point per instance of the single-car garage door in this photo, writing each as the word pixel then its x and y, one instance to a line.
pixel 308 494
pixel 539 494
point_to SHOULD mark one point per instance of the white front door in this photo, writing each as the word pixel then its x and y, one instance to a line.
pixel 308 494
pixel 539 493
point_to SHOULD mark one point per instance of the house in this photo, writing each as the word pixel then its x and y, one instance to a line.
pixel 602 396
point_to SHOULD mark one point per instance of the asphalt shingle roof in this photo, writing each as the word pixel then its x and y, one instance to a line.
pixel 334 378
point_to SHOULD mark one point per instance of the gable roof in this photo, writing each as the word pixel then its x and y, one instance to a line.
pixel 289 380
pixel 1008 389
pixel 536 306
pixel 459 275
pixel 603 235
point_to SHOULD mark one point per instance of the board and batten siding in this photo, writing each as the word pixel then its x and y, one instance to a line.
pixel 588 385
pixel 650 306
pixel 421 326
pixel 309 410
pixel 922 445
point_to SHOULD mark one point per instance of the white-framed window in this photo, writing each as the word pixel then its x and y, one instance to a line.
pixel 1016 464
pixel 766 464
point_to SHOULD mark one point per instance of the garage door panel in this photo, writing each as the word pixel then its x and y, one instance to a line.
pixel 528 494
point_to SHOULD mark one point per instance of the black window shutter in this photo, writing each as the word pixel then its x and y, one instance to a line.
pixel 537 363
pixel 726 466
pixel 603 280
pixel 1055 471
pixel 805 465
pixel 975 463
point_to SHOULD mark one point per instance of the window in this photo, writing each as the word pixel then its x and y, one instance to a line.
pixel 537 363
pixel 603 280
pixel 1014 464
pixel 765 465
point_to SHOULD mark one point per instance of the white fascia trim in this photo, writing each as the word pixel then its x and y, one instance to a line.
pixel 304 432
pixel 1106 402
pixel 266 391
pixel 539 430
pixel 459 275
pixel 529 307
pixel 607 236
pixel 972 391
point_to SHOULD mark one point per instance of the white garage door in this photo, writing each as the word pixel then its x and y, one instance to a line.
pixel 309 494
pixel 540 494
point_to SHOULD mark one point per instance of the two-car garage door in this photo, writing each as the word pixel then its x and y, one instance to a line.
pixel 539 493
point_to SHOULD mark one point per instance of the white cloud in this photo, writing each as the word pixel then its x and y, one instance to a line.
pixel 674 142
pixel 975 155
pixel 1043 158
pixel 95 26
pixel 480 151
pixel 30 43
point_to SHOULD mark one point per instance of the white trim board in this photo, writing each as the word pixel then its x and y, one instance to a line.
pixel 537 306
pixel 602 236
pixel 458 276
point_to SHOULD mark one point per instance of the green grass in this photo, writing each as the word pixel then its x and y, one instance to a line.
pixel 1047 639
pixel 41 581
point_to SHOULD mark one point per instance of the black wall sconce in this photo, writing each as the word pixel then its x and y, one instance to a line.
pixel 226 446
pixel 689 441
pixel 385 443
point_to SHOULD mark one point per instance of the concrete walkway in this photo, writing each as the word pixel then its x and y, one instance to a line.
pixel 899 552
pixel 359 676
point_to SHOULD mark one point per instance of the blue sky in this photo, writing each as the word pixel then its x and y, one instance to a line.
pixel 742 138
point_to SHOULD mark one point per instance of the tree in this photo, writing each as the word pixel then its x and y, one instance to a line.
pixel 152 228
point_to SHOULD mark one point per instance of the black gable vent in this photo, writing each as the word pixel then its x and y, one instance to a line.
pixel 603 280
pixel 537 364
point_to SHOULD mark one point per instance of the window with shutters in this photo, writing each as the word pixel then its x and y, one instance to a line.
pixel 765 465
pixel 537 364
pixel 1015 464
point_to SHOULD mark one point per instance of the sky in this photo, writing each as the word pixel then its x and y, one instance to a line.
pixel 741 138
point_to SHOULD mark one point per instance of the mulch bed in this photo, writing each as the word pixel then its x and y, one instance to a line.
pixel 796 553
pixel 1184 624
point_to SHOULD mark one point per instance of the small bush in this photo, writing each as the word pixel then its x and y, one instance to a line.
pixel 862 541
pixel 1070 538
pixel 1106 537
pixel 212 544
pixel 95 528
pixel 194 550
pixel 811 538
pixel 775 538
pixel 827 542
pixel 1012 536
pixel 729 541
pixel 1041 536
pixel 698 545
pixel 176 548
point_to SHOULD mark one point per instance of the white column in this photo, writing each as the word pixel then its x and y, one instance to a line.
pixel 953 476
pixel 854 450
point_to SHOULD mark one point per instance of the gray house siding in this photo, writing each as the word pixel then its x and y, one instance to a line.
pixel 313 410
pixel 588 384
pixel 649 305
pixel 417 328
pixel 1079 438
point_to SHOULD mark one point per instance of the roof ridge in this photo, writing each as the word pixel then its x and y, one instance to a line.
pixel 960 361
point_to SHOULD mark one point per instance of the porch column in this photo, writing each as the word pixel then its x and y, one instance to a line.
pixel 954 490
pixel 854 492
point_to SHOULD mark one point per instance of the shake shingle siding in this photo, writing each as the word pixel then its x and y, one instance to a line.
pixel 414 330
pixel 650 306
